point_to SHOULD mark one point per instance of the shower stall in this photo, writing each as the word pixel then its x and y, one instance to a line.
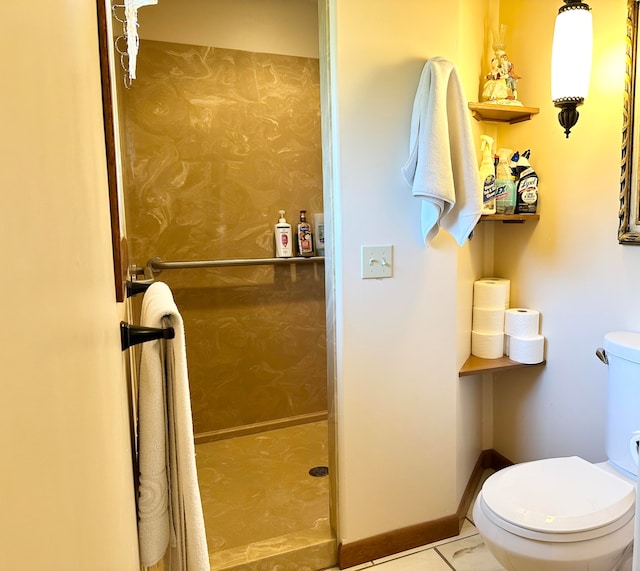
pixel 215 141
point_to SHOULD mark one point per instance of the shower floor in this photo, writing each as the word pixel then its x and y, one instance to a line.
pixel 261 507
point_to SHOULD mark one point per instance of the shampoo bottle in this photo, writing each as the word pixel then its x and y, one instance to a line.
pixel 487 176
pixel 284 245
pixel 318 225
pixel 505 184
pixel 305 236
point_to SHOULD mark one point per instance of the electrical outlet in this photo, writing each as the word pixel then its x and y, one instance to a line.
pixel 377 262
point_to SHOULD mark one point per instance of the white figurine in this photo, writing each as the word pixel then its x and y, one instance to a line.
pixel 500 86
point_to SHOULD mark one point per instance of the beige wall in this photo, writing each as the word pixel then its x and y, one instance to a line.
pixel 398 345
pixel 66 486
pixel 396 412
pixel 471 421
pixel 270 26
pixel 568 265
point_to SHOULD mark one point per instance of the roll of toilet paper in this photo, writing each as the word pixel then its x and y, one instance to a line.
pixel 491 292
pixel 528 350
pixel 487 345
pixel 488 320
pixel 521 322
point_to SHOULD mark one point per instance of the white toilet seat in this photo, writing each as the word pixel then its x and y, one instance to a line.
pixel 557 500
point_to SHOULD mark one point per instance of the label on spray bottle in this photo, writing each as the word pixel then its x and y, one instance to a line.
pixel 505 196
pixel 489 189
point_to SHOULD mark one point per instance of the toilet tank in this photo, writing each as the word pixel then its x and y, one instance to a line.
pixel 622 349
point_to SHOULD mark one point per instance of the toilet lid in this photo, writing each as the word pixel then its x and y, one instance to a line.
pixel 558 495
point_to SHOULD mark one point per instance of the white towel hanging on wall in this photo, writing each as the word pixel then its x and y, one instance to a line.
pixel 442 168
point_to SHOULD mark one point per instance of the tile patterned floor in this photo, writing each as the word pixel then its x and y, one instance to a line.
pixel 465 552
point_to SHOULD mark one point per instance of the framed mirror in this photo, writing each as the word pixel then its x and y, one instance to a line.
pixel 629 227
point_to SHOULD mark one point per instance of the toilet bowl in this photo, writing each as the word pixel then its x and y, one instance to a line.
pixel 566 514
pixel 544 515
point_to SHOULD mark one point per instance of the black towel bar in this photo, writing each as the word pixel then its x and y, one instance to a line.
pixel 135 334
pixel 134 287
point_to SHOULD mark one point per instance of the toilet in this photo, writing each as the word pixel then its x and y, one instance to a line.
pixel 566 514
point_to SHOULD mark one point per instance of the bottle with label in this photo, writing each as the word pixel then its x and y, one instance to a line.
pixel 305 236
pixel 505 184
pixel 284 244
pixel 527 187
pixel 487 176
pixel 318 226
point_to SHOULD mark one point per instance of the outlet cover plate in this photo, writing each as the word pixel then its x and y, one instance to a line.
pixel 377 262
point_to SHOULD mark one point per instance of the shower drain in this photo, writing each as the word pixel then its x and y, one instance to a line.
pixel 319 471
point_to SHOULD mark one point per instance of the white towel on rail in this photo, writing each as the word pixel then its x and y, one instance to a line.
pixel 442 168
pixel 170 518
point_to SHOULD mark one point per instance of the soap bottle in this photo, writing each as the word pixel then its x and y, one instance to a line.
pixel 505 184
pixel 487 176
pixel 284 245
pixel 305 236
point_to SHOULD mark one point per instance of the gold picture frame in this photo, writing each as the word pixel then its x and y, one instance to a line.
pixel 629 214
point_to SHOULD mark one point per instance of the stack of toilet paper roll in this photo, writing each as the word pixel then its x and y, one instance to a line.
pixel 497 329
pixel 490 301
pixel 524 343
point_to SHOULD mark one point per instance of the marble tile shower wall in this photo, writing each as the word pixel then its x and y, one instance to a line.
pixel 216 142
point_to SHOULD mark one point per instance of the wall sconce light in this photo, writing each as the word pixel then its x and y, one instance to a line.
pixel 571 60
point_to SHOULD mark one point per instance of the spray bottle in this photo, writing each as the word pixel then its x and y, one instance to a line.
pixel 487 176
pixel 505 184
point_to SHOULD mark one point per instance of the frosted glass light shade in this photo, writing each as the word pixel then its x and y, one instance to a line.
pixel 571 54
pixel 571 60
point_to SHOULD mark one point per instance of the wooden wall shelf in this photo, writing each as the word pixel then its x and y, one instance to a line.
pixel 502 113
pixel 516 218
pixel 476 365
